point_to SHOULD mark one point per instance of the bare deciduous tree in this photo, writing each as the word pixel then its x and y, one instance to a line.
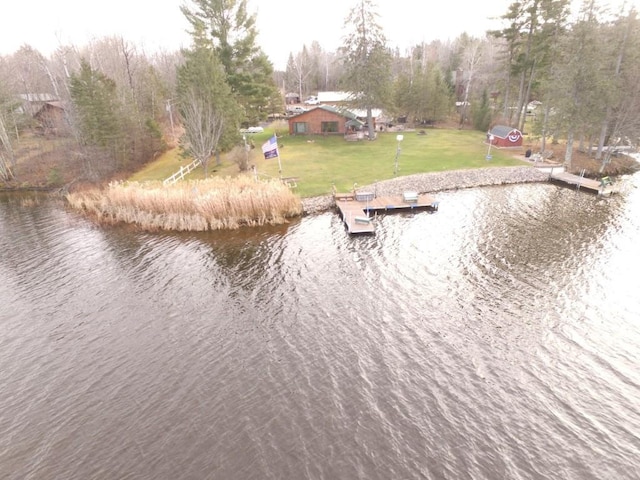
pixel 473 55
pixel 203 124
pixel 7 157
pixel 299 69
pixel 206 104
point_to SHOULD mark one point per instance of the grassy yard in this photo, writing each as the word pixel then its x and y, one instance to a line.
pixel 163 167
pixel 320 162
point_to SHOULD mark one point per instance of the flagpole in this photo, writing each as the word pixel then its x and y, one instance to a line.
pixel 275 135
pixel 279 164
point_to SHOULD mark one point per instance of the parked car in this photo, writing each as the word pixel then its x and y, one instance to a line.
pixel 312 101
pixel 297 109
pixel 252 130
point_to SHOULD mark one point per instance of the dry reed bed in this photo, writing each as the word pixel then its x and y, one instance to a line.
pixel 211 204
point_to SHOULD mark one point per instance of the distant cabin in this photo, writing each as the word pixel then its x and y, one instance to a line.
pixel 33 102
pixel 505 137
pixel 291 98
pixel 52 119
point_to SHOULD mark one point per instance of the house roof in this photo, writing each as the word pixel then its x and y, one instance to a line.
pixel 343 112
pixel 47 106
pixel 347 113
pixel 502 131
pixel 339 111
pixel 328 97
pixel 37 97
pixel 56 104
pixel 361 113
pixel 354 122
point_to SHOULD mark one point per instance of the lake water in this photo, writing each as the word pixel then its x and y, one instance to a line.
pixel 498 338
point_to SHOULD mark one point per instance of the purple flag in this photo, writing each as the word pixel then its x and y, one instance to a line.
pixel 270 148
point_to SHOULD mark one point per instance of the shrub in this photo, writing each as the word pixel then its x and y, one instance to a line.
pixel 241 156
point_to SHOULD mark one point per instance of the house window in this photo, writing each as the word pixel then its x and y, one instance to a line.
pixel 299 127
pixel 329 127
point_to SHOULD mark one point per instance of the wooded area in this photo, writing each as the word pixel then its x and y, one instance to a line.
pixel 110 107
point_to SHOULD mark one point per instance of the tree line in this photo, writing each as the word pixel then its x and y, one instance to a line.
pixel 579 69
pixel 124 106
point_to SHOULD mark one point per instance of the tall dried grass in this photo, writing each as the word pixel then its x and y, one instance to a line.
pixel 198 205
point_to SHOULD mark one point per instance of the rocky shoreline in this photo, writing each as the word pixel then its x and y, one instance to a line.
pixel 438 182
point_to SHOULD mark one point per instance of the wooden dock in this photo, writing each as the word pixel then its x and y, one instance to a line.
pixel 359 209
pixel 600 187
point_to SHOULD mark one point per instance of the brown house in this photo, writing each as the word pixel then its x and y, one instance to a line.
pixel 52 119
pixel 324 120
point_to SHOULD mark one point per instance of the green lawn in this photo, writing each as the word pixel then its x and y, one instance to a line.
pixel 320 162
pixel 161 168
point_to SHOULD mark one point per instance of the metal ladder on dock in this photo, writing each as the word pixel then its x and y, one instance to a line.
pixel 578 183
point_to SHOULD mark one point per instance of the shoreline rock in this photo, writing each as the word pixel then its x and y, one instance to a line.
pixel 437 182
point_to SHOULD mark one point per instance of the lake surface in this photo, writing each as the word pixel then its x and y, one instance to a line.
pixel 498 338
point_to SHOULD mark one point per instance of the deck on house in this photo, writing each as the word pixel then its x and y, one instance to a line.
pixel 601 187
pixel 358 209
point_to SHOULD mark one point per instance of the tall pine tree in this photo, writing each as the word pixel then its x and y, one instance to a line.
pixel 207 107
pixel 366 60
pixel 96 108
pixel 231 32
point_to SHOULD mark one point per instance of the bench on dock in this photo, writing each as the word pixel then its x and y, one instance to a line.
pixel 410 197
pixel 291 182
pixel 365 196
pixel 605 182
pixel 363 219
pixel 344 196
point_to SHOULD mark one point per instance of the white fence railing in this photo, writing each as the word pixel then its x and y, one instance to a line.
pixel 180 174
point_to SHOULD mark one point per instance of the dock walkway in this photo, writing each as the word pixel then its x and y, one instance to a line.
pixel 601 187
pixel 358 209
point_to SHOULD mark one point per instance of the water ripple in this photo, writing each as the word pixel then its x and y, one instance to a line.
pixel 496 338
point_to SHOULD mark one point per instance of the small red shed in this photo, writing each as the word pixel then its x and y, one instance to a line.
pixel 502 136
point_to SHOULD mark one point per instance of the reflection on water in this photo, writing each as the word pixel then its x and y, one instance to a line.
pixel 496 338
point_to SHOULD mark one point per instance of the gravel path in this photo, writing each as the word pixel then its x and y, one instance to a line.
pixel 437 182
